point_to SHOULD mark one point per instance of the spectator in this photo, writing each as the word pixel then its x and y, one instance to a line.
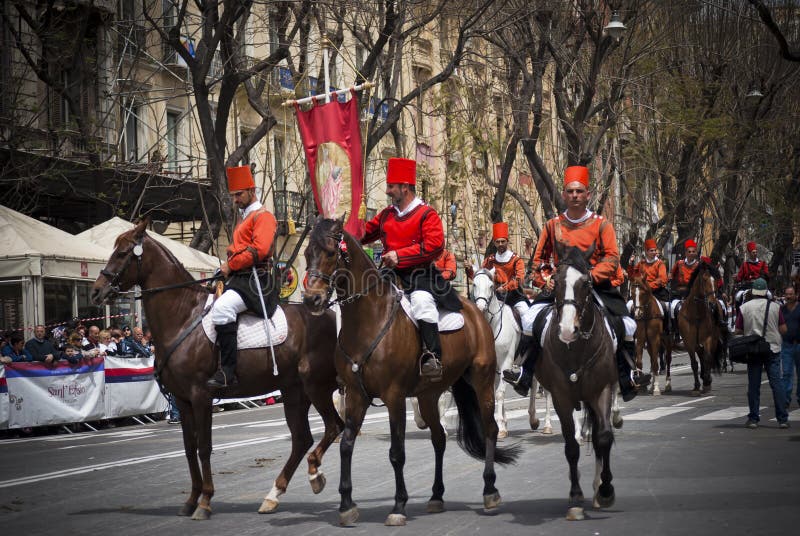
pixel 106 346
pixel 116 341
pixel 14 351
pixel 92 340
pixel 790 346
pixel 135 344
pixel 41 349
pixel 174 413
pixel 73 353
pixel 750 321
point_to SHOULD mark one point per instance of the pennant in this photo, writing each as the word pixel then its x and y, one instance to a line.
pixel 332 141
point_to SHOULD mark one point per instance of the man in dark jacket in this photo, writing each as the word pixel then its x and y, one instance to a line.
pixel 41 349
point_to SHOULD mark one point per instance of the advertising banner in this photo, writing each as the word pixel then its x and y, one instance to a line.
pixel 131 388
pixel 3 399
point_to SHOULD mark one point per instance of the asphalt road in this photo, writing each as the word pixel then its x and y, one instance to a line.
pixel 681 466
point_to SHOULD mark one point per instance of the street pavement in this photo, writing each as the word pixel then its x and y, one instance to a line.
pixel 681 464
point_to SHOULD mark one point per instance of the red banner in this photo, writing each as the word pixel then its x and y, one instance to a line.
pixel 332 140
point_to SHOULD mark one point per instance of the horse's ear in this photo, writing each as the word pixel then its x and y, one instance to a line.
pixel 560 254
pixel 341 218
pixel 141 226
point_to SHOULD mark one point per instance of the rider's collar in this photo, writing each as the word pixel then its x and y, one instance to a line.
pixel 755 261
pixel 687 262
pixel 582 219
pixel 503 257
pixel 249 209
pixel 651 262
pixel 411 206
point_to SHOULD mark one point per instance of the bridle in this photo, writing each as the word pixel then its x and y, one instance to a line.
pixel 114 277
pixel 581 307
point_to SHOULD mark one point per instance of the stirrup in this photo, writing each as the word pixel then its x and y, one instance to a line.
pixel 220 380
pixel 518 379
pixel 430 366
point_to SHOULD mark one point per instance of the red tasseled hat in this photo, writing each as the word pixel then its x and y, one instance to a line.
pixel 690 244
pixel 576 173
pixel 401 171
pixel 650 244
pixel 240 178
pixel 751 246
pixel 500 230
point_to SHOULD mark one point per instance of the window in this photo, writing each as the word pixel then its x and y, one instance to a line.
pixel 10 305
pixel 170 18
pixel 86 309
pixel 130 138
pixel 58 300
pixel 173 131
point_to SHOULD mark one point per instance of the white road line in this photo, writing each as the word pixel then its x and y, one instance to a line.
pixel 693 401
pixel 733 412
pixel 655 413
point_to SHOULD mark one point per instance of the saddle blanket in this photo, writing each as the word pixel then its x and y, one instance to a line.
pixel 448 320
pixel 251 330
pixel 605 321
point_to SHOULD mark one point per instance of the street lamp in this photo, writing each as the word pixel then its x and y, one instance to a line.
pixel 615 27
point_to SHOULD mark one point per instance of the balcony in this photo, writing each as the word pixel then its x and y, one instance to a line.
pixel 289 204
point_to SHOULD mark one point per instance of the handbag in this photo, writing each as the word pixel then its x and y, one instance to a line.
pixel 750 347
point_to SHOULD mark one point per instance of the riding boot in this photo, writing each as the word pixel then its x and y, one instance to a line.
pixel 521 377
pixel 667 320
pixel 627 387
pixel 226 338
pixel 431 358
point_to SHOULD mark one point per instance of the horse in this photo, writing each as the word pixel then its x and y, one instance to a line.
pixel 186 359
pixel 650 331
pixel 377 356
pixel 699 330
pixel 578 366
pixel 507 333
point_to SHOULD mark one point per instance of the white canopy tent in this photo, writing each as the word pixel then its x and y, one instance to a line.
pixel 104 235
pixel 31 250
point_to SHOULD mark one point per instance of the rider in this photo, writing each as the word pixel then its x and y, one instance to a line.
pixel 509 270
pixel 412 237
pixel 655 273
pixel 446 264
pixel 680 275
pixel 581 228
pixel 251 246
pixel 751 269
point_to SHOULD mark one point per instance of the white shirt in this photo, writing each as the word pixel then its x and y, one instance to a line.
pixel 411 206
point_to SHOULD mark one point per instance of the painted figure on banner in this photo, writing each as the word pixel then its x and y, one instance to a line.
pixel 333 180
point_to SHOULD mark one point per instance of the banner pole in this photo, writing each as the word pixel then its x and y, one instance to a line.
pixel 360 87
pixel 326 64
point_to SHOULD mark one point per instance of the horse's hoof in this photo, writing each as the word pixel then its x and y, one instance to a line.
pixel 575 514
pixel 603 502
pixel 502 434
pixel 268 506
pixel 201 514
pixel 656 392
pixel 435 507
pixel 187 509
pixel 395 520
pixel 547 430
pixel 349 517
pixel 491 502
pixel 534 423
pixel 695 392
pixel 668 388
pixel 318 482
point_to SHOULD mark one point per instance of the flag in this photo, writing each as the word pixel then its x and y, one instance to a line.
pixel 332 141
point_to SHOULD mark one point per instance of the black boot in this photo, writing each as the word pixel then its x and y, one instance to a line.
pixel 431 358
pixel 521 377
pixel 627 387
pixel 226 338
pixel 667 320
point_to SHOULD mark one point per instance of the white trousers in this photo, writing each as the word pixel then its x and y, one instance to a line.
pixel 423 307
pixel 530 317
pixel 521 307
pixel 227 308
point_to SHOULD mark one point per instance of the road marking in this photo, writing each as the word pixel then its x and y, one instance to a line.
pixel 693 401
pixel 733 412
pixel 655 413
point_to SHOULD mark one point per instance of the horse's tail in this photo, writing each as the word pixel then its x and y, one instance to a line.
pixel 470 435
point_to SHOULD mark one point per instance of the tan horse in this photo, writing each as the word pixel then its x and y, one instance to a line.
pixel 649 331
pixel 377 356
pixel 699 330
pixel 186 359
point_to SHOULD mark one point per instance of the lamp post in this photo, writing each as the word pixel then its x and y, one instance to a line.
pixel 615 28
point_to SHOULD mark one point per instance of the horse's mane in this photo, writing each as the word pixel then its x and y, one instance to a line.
pixel 128 237
pixel 482 271
pixel 325 228
pixel 573 256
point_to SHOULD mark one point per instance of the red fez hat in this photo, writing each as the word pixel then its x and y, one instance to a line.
pixel 751 246
pixel 690 244
pixel 650 244
pixel 706 260
pixel 401 171
pixel 240 178
pixel 500 230
pixel 577 173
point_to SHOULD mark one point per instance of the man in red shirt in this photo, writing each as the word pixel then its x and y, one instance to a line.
pixel 580 227
pixel 251 247
pixel 412 237
pixel 446 264
pixel 750 270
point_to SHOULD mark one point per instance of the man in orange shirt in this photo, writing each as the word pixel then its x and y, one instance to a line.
pixel 588 231
pixel 681 274
pixel 251 247
pixel 446 264
pixel 655 273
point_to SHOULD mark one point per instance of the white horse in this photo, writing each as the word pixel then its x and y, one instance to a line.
pixel 506 339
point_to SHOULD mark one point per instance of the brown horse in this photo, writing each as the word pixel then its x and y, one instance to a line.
pixel 650 330
pixel 185 359
pixel 377 356
pixel 699 329
pixel 578 367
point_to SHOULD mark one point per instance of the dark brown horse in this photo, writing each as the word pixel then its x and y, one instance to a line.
pixel 650 331
pixel 699 329
pixel 377 357
pixel 578 367
pixel 304 360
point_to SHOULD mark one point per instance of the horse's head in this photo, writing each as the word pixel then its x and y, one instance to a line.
pixel 125 266
pixel 326 250
pixel 573 294
pixel 483 288
pixel 640 295
pixel 702 284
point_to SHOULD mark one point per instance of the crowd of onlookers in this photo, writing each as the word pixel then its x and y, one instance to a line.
pixel 73 341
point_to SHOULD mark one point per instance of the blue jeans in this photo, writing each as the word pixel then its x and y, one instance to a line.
pixel 173 408
pixel 754 369
pixel 790 363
